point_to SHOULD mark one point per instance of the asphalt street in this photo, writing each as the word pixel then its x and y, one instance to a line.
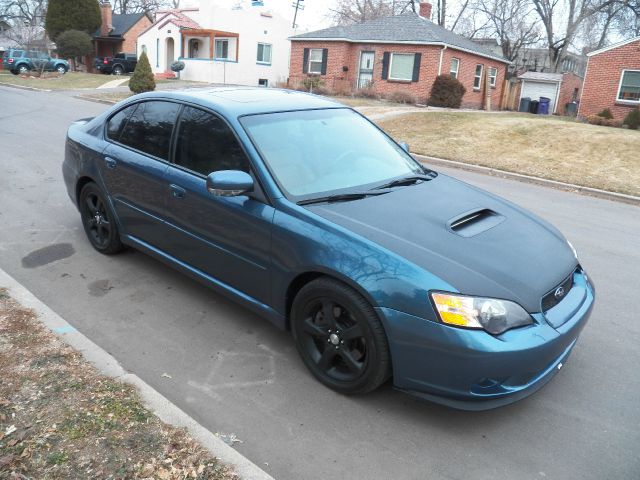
pixel 235 373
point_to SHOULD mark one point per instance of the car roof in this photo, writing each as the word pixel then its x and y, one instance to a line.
pixel 237 101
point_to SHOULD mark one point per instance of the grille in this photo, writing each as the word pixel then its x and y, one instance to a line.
pixel 549 300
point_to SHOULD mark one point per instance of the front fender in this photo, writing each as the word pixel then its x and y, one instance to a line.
pixel 303 242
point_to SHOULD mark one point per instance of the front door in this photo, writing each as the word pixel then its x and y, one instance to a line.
pixel 228 238
pixel 365 74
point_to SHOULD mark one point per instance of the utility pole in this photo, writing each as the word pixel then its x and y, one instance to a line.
pixel 297 6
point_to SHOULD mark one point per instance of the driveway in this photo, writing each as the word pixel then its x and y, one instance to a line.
pixel 235 373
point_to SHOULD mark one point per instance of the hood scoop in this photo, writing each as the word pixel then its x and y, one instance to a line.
pixel 474 222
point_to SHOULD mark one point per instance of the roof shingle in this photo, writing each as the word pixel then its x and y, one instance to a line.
pixel 405 28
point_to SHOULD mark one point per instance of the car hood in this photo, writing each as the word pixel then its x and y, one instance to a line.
pixel 478 243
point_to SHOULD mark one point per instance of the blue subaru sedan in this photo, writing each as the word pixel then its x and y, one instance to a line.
pixel 307 213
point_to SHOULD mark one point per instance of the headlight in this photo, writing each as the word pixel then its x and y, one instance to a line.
pixel 575 254
pixel 494 316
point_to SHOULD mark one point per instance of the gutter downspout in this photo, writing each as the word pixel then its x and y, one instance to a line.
pixel 440 64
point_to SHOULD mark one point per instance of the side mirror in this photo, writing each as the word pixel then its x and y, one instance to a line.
pixel 229 183
pixel 404 146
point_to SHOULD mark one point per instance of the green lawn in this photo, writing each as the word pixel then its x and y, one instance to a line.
pixel 53 81
pixel 548 147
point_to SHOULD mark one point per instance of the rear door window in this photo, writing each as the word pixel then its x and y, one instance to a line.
pixel 149 128
pixel 206 144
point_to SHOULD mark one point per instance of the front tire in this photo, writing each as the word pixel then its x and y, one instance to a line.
pixel 98 221
pixel 339 337
pixel 61 69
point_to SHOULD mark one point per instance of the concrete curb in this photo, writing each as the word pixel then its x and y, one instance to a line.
pixel 22 87
pixel 95 100
pixel 105 363
pixel 594 192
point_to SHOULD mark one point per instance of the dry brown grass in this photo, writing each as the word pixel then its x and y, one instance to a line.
pixel 554 148
pixel 60 419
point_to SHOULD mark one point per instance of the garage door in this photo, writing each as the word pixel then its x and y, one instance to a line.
pixel 534 90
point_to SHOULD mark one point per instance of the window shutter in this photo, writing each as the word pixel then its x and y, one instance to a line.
pixel 325 54
pixel 305 61
pixel 385 65
pixel 416 67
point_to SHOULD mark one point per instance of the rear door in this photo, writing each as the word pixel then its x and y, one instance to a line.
pixel 228 238
pixel 134 166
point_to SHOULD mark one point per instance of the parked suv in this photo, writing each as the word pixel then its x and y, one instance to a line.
pixel 118 64
pixel 22 61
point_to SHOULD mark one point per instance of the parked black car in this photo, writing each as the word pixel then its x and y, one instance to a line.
pixel 19 61
pixel 119 64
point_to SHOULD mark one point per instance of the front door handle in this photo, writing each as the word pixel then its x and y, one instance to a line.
pixel 177 191
pixel 110 162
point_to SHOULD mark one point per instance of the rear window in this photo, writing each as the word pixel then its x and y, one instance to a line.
pixel 17 53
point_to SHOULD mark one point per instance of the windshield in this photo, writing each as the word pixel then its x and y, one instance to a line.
pixel 312 152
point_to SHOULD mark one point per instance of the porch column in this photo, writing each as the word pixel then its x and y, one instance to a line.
pixel 212 37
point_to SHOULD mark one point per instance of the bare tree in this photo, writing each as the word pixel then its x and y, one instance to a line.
pixel 511 23
pixel 347 12
pixel 571 14
pixel 143 6
pixel 23 12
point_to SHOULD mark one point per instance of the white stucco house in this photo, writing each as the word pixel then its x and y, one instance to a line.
pixel 241 46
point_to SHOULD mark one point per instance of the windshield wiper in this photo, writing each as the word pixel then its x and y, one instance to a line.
pixel 340 197
pixel 401 182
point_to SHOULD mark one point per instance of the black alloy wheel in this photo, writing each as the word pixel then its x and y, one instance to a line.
pixel 98 222
pixel 340 337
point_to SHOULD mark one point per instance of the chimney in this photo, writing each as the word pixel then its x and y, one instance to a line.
pixel 106 13
pixel 425 10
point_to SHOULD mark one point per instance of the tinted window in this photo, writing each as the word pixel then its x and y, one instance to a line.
pixel 118 121
pixel 149 128
pixel 206 144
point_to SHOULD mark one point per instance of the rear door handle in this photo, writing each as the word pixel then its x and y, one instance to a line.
pixel 110 162
pixel 177 191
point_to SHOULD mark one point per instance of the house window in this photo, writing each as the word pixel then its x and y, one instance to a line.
pixel 455 65
pixel 315 61
pixel 629 90
pixel 401 66
pixel 493 76
pixel 264 53
pixel 263 82
pixel 477 79
pixel 222 49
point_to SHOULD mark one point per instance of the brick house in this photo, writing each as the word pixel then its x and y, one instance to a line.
pixel 118 33
pixel 400 53
pixel 612 80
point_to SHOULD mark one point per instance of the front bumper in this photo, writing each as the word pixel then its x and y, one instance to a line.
pixel 473 370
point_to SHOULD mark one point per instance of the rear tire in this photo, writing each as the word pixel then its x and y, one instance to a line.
pixel 23 69
pixel 98 220
pixel 61 69
pixel 340 337
pixel 118 70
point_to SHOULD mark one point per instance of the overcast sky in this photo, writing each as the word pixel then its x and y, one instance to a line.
pixel 313 17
